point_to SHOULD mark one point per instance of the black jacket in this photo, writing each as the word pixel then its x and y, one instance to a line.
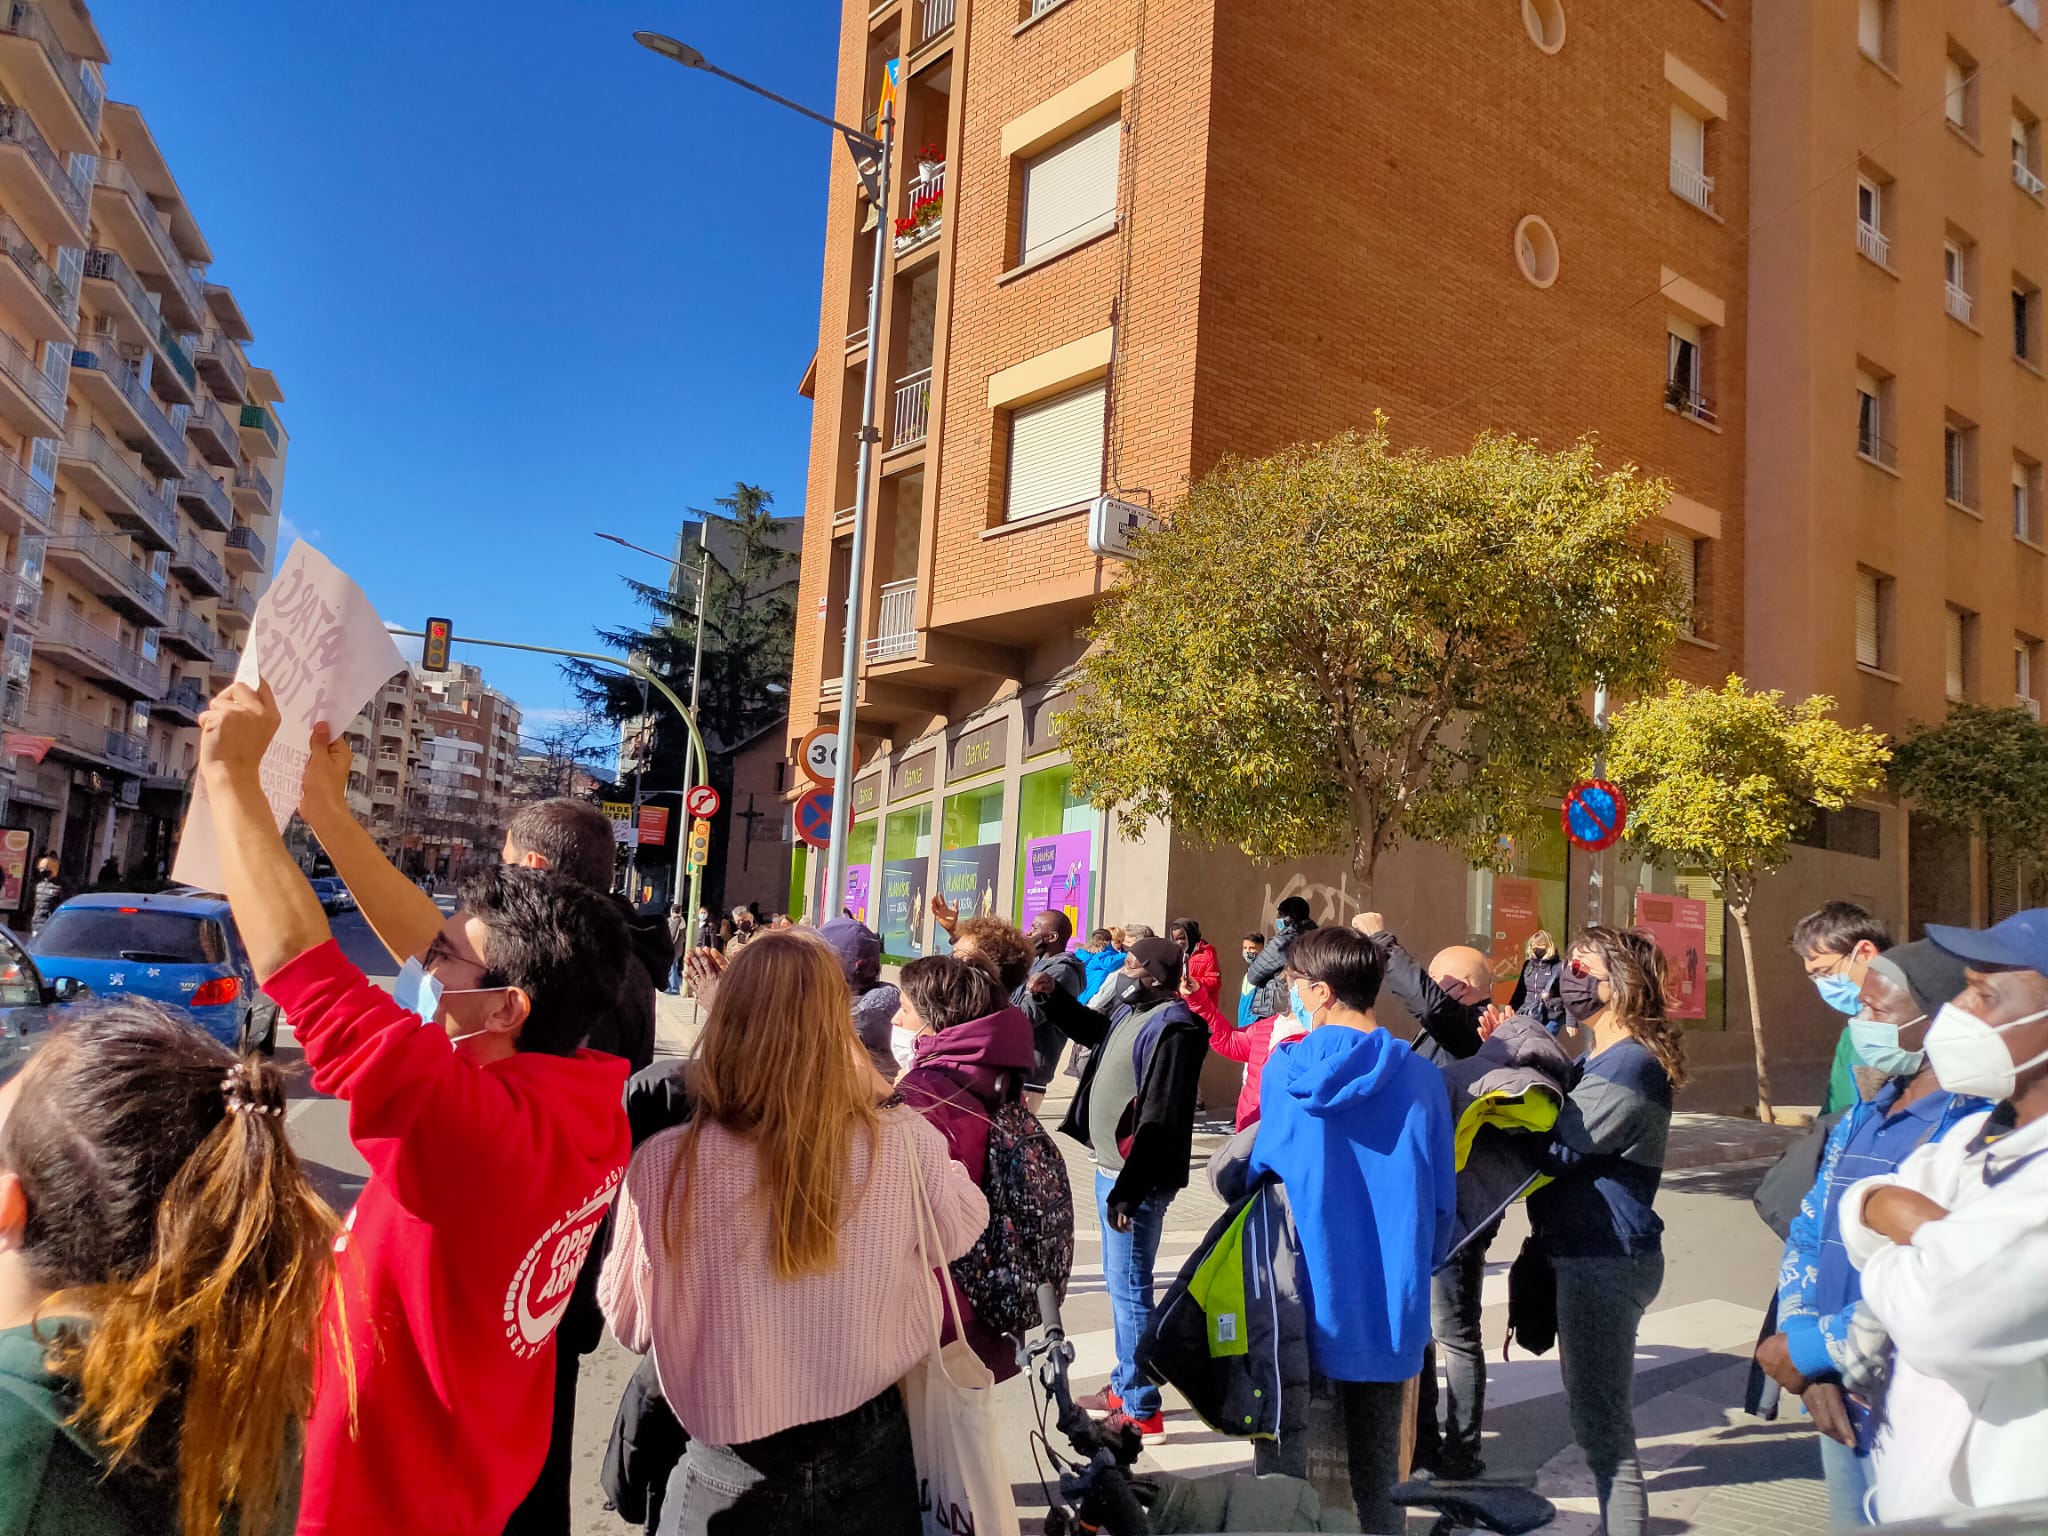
pixel 1046 1040
pixel 1268 970
pixel 628 1030
pixel 1163 1130
pixel 1537 994
pixel 1449 1028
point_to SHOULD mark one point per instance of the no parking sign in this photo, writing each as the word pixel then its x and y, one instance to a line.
pixel 1595 814
pixel 814 818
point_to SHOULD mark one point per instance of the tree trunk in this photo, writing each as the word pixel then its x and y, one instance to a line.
pixel 1740 912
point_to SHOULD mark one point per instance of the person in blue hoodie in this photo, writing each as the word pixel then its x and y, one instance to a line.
pixel 1358 1128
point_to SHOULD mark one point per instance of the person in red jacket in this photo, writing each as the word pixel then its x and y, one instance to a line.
pixel 495 1144
pixel 1198 957
pixel 974 1050
pixel 1250 1045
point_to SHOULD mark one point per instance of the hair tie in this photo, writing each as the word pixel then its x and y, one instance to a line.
pixel 240 1093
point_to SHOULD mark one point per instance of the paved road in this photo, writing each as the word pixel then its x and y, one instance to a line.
pixel 1713 1469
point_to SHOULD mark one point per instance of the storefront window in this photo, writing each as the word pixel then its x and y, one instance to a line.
pixel 1507 908
pixel 799 884
pixel 970 853
pixel 906 858
pixel 859 896
pixel 1056 840
pixel 1684 912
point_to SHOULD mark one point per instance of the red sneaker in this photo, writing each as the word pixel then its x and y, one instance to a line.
pixel 1104 1401
pixel 1155 1425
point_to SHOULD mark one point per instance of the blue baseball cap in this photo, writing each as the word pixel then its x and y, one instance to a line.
pixel 2018 943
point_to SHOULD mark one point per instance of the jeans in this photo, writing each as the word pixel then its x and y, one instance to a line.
pixel 1849 1479
pixel 1600 1306
pixel 1372 1448
pixel 1127 1276
pixel 852 1475
pixel 1452 1446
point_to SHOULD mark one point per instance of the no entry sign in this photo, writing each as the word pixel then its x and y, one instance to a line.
pixel 1595 813
pixel 814 818
pixel 701 801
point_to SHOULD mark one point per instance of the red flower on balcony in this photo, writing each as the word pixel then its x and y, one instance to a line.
pixel 932 154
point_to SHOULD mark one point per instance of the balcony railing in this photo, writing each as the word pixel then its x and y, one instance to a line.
pixel 244 538
pixel 937 15
pixel 108 557
pixel 250 478
pixel 1958 301
pixel 18 128
pixel 895 622
pixel 259 419
pixel 208 421
pixel 912 410
pixel 21 488
pixel 1692 184
pixel 25 20
pixel 1874 243
pixel 176 275
pixel 186 698
pixel 19 367
pixel 24 254
pixel 155 505
pixel 1878 449
pixel 226 658
pixel 239 600
pixel 201 491
pixel 195 631
pixel 1688 401
pixel 131 667
pixel 2024 177
pixel 84 735
pixel 108 267
pixel 219 350
pixel 195 556
pixel 166 433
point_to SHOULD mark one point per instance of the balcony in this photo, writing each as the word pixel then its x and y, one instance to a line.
pixel 1874 243
pixel 1688 401
pixel 198 567
pixel 912 409
pixel 2025 178
pixel 121 207
pixel 1957 301
pixel 24 496
pixel 934 20
pixel 206 499
pixel 221 361
pixel 114 386
pixel 38 71
pixel 253 495
pixel 29 400
pixel 190 635
pixel 99 654
pixel 1879 450
pixel 118 293
pixel 245 550
pixel 258 426
pixel 1692 184
pixel 33 181
pixel 181 703
pixel 922 224
pixel 895 622
pixel 236 609
pixel 118 489
pixel 213 436
pixel 226 658
pixel 37 297
pixel 81 736
pixel 101 565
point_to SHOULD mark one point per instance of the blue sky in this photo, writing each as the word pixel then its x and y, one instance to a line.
pixel 519 278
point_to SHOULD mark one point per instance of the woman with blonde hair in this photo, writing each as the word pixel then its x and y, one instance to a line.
pixel 164 1267
pixel 1536 989
pixel 1595 1220
pixel 767 1253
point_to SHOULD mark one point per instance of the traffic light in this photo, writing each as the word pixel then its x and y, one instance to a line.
pixel 700 844
pixel 434 657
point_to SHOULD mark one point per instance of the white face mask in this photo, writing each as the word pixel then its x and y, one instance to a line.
pixel 902 1045
pixel 418 990
pixel 1970 1059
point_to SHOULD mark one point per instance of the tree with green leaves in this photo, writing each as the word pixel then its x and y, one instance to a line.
pixel 1344 645
pixel 1723 780
pixel 1983 771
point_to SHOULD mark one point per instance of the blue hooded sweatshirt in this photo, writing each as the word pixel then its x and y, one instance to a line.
pixel 1358 1127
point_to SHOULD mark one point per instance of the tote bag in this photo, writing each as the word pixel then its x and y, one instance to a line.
pixel 962 1486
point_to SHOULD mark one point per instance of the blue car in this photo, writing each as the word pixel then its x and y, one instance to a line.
pixel 177 947
pixel 24 1001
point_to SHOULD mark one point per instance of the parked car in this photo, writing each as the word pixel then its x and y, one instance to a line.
pixel 25 999
pixel 335 896
pixel 176 947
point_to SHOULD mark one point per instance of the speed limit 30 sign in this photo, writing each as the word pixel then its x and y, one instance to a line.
pixel 818 756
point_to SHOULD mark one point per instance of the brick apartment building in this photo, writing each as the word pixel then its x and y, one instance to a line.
pixel 1780 256
pixel 141 460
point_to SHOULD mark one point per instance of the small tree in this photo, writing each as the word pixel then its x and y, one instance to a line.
pixel 552 761
pixel 1983 771
pixel 1342 645
pixel 1723 780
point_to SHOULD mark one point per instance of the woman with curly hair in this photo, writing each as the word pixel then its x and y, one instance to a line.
pixel 1606 1159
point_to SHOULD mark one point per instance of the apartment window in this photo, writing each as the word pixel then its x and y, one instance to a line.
pixel 2026 151
pixel 2026 499
pixel 1684 553
pixel 1685 372
pixel 1873 417
pixel 1871 238
pixel 1874 30
pixel 1873 602
pixel 1056 452
pixel 1957 625
pixel 2026 674
pixel 1070 190
pixel 2026 321
pixel 1958 290
pixel 1959 462
pixel 1689 178
pixel 1959 103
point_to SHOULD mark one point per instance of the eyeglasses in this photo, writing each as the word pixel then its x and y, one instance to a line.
pixel 1579 967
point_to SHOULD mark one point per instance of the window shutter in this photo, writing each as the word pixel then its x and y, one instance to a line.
pixel 1954 648
pixel 1683 552
pixel 1056 452
pixel 1688 140
pixel 1954 100
pixel 1866 619
pixel 1070 187
pixel 1870 27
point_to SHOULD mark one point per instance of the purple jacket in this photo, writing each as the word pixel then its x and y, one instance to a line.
pixel 958 1079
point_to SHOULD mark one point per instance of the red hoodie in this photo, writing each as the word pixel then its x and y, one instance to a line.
pixel 1250 1046
pixel 487 1186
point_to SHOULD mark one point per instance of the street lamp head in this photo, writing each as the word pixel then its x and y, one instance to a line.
pixel 669 48
pixel 613 538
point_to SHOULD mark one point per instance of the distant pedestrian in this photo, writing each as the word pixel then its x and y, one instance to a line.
pixel 49 893
pixel 1836 944
pixel 166 1266
pixel 1198 962
pixel 707 930
pixel 1268 973
pixel 1536 989
pixel 1051 932
pixel 110 872
pixel 1250 945
pixel 875 1001
pixel 681 937
pixel 1596 1221
pixel 1248 1045
pixel 1104 996
pixel 767 1256
pixel 744 926
pixel 1100 958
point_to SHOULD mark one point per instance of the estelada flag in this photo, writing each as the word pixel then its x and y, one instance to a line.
pixel 891 77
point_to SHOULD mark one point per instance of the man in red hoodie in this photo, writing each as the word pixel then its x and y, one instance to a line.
pixel 495 1143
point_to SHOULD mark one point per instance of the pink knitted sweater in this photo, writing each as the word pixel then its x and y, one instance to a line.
pixel 742 1352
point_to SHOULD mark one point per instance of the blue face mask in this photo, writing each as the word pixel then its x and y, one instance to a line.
pixel 1842 993
pixel 1299 1009
pixel 1877 1045
pixel 417 991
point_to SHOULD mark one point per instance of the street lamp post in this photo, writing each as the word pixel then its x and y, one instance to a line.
pixel 864 147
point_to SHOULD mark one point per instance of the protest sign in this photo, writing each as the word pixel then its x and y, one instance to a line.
pixel 320 645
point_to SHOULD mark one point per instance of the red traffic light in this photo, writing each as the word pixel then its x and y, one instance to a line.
pixel 434 655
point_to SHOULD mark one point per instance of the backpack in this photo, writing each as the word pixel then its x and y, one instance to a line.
pixel 1029 1240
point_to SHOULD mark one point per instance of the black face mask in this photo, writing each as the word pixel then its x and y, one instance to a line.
pixel 1581 995
pixel 1138 991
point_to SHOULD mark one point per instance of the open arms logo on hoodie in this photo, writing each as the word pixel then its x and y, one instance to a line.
pixel 540 1291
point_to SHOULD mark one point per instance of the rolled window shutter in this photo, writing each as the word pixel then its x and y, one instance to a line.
pixel 1683 553
pixel 1056 452
pixel 1954 651
pixel 1866 619
pixel 1070 187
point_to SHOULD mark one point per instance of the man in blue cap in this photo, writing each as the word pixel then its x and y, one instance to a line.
pixel 1953 1248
